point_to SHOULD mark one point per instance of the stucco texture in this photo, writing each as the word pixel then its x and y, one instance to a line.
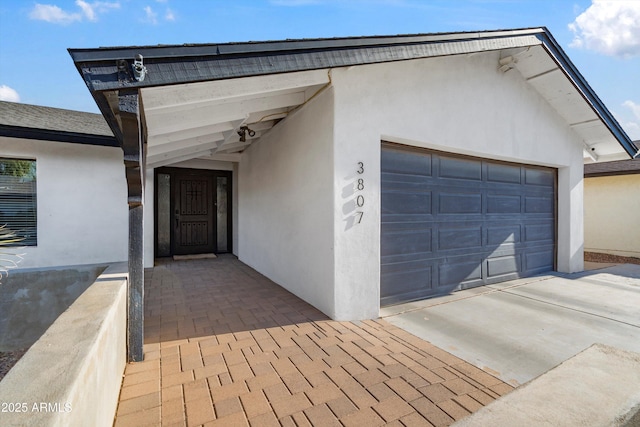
pixel 82 210
pixel 285 209
pixel 611 214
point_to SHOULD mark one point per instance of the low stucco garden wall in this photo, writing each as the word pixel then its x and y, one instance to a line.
pixel 32 299
pixel 72 375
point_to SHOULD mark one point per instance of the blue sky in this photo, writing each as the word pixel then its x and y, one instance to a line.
pixel 601 37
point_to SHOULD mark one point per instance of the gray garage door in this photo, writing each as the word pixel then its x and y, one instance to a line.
pixel 451 222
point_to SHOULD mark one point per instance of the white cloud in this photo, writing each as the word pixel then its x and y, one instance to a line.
pixel 635 108
pixel 611 27
pixel 150 16
pixel 633 130
pixel 54 14
pixel 87 10
pixel 8 94
pixel 632 127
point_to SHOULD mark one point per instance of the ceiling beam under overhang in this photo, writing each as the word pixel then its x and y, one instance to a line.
pixel 187 95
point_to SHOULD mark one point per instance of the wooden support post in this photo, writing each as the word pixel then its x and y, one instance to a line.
pixel 135 318
pixel 134 159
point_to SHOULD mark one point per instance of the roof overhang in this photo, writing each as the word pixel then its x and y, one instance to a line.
pixel 58 136
pixel 212 101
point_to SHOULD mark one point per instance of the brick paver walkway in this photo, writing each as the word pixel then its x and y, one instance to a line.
pixel 225 346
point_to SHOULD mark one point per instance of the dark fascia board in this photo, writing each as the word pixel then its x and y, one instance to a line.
pixel 588 94
pixel 620 167
pixel 179 64
pixel 262 47
pixel 57 136
pixel 167 65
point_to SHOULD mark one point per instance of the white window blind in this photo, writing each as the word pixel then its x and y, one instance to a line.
pixel 18 199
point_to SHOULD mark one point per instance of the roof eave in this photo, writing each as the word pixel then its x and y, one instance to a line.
pixel 170 65
pixel 57 136
pixel 215 62
pixel 570 70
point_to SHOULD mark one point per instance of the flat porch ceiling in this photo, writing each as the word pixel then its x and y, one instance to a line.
pixel 202 120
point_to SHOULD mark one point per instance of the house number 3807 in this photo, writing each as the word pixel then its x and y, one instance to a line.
pixel 359 197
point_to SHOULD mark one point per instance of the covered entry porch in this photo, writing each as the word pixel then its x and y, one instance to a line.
pixel 224 345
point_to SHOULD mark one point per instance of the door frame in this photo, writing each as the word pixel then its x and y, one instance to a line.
pixel 173 172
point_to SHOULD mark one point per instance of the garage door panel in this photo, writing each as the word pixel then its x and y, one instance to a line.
pixel 405 285
pixel 452 167
pixel 407 203
pixel 459 238
pixel 394 181
pixel 452 273
pixel 503 203
pixel 539 232
pixel 410 280
pixel 404 163
pixel 499 235
pixel 540 177
pixel 502 173
pixel 501 266
pixel 459 203
pixel 539 262
pixel 482 222
pixel 539 205
pixel 414 241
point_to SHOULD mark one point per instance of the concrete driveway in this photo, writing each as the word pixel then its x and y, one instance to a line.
pixel 521 329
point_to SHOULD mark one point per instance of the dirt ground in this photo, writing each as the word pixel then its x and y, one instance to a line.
pixel 597 257
pixel 8 359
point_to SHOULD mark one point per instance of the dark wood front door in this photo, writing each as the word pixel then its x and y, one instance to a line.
pixel 192 211
pixel 195 222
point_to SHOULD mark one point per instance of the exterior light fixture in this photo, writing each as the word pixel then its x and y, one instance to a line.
pixel 139 70
pixel 243 131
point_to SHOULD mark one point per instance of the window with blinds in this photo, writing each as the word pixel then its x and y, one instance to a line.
pixel 18 202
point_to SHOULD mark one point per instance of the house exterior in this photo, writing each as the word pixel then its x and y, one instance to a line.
pixel 611 191
pixel 354 172
pixel 78 215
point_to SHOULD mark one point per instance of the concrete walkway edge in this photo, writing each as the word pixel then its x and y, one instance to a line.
pixel 599 387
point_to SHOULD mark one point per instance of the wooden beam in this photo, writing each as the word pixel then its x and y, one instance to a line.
pixel 166 121
pixel 194 151
pixel 175 97
pixel 159 162
pixel 213 140
pixel 134 146
pixel 192 133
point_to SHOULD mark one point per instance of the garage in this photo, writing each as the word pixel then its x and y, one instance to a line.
pixel 451 222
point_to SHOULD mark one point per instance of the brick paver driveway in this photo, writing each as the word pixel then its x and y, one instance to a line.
pixel 226 346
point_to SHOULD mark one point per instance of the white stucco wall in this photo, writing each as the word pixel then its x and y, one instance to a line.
pixel 82 202
pixel 285 204
pixel 456 104
pixel 611 213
